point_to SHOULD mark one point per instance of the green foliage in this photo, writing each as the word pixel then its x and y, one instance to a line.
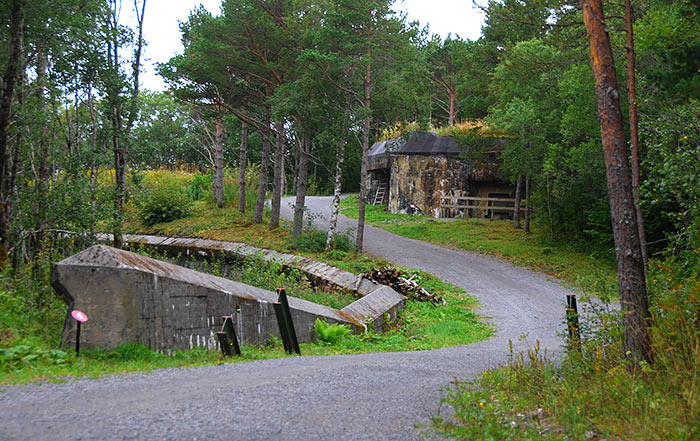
pixel 30 310
pixel 596 391
pixel 667 36
pixel 272 275
pixel 200 186
pixel 674 168
pixel 23 355
pixel 163 203
pixel 330 334
pixel 314 241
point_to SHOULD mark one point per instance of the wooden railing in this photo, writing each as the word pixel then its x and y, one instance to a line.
pixel 477 207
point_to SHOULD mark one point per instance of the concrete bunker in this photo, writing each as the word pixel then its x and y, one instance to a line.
pixel 433 172
pixel 132 298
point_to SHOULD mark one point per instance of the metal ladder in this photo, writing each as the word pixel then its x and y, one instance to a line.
pixel 381 191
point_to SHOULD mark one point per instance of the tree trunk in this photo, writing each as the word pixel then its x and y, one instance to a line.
pixel 242 164
pixel 453 98
pixel 630 267
pixel 121 134
pixel 516 205
pixel 527 204
pixel 43 177
pixel 302 180
pixel 365 149
pixel 264 160
pixel 634 132
pixel 335 208
pixel 93 156
pixel 219 160
pixel 277 188
pixel 116 121
pixel 10 77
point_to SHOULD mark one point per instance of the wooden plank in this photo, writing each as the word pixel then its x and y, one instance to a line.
pixel 470 198
pixel 481 207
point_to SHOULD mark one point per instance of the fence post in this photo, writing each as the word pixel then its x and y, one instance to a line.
pixel 572 317
pixel 284 320
pixel 227 338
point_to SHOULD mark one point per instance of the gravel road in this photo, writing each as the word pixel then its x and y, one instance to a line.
pixel 385 396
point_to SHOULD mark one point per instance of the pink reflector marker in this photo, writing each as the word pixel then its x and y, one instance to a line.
pixel 79 316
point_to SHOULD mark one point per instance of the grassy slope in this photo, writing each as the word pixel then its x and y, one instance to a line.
pixel 593 275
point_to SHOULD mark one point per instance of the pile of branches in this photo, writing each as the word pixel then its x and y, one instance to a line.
pixel 397 280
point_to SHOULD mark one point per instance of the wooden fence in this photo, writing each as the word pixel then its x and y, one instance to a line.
pixel 478 207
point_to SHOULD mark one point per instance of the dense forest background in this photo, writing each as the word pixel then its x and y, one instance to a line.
pixel 302 88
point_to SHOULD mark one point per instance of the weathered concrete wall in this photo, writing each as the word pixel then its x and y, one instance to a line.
pixel 421 180
pixel 132 298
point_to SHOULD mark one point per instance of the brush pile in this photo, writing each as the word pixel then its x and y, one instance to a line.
pixel 397 280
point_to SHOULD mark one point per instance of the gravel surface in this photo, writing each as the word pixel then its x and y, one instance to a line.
pixel 384 396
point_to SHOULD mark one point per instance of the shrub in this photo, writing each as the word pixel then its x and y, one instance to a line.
pixel 163 203
pixel 200 186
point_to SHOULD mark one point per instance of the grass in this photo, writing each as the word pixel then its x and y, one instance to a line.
pixel 596 392
pixel 588 272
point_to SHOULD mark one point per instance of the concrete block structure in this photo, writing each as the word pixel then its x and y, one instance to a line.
pixel 422 168
pixel 132 298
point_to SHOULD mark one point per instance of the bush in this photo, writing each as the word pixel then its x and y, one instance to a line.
pixel 200 186
pixel 163 203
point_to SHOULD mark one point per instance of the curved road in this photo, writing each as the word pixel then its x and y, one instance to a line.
pixel 382 396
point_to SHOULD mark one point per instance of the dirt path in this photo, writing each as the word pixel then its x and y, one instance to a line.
pixel 360 397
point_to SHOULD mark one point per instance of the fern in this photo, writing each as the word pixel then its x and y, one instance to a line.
pixel 330 334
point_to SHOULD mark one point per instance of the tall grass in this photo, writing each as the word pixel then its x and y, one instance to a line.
pixel 597 392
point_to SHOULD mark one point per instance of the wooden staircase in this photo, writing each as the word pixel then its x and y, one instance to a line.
pixel 381 192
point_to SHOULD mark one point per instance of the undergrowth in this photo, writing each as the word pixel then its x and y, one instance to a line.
pixel 596 392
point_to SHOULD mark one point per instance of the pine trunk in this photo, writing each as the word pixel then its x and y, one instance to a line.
pixel 634 132
pixel 10 77
pixel 277 188
pixel 264 160
pixel 527 204
pixel 302 178
pixel 219 160
pixel 516 205
pixel 242 164
pixel 363 173
pixel 43 154
pixel 630 267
